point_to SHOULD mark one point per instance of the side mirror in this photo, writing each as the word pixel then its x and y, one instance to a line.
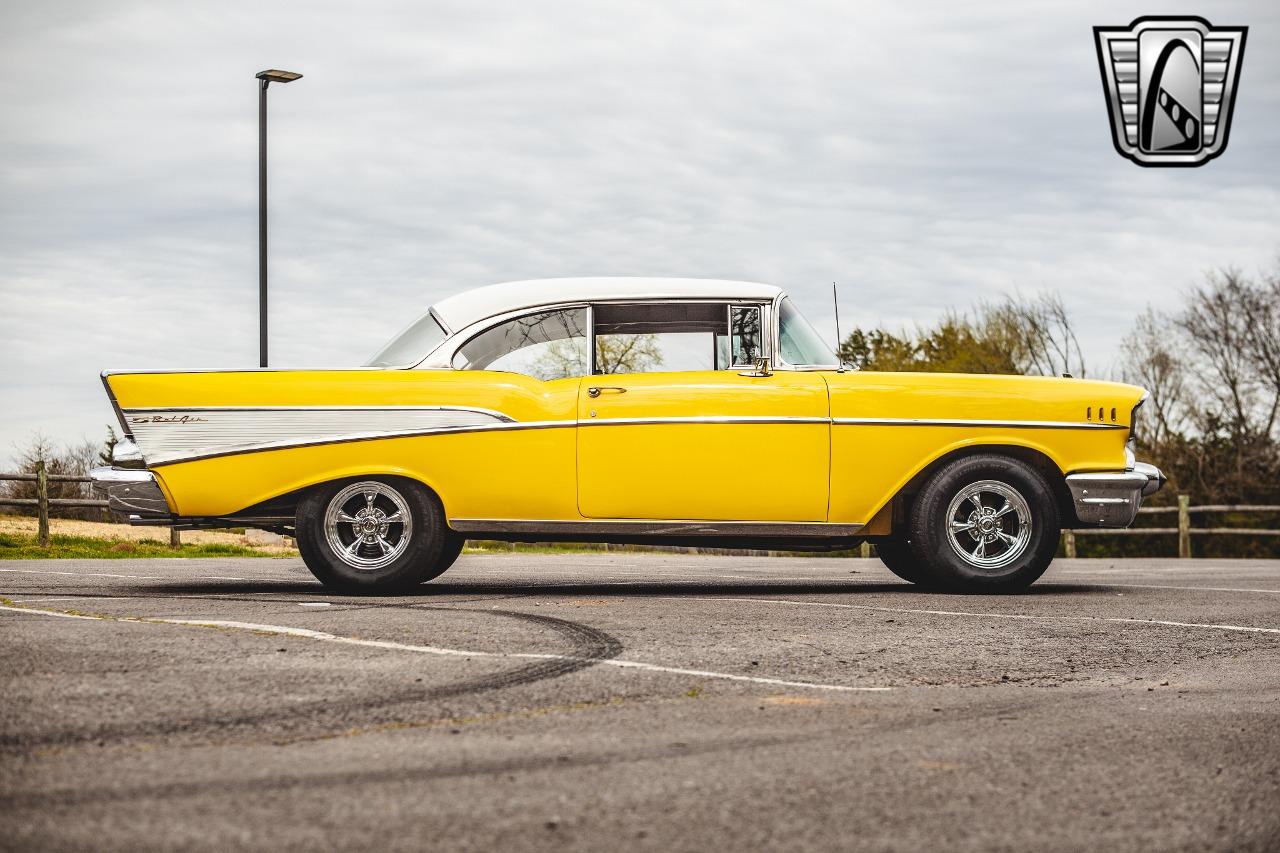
pixel 761 368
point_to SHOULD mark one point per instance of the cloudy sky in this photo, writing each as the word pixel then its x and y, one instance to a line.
pixel 922 156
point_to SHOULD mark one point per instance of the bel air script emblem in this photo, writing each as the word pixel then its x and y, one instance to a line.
pixel 168 419
pixel 1170 85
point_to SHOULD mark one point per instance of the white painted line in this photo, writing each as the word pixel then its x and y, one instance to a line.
pixel 440 650
pixel 220 578
pixel 82 574
pixel 49 613
pixel 313 604
pixel 1164 586
pixel 1022 616
pixel 330 638
pixel 777 682
pixel 71 598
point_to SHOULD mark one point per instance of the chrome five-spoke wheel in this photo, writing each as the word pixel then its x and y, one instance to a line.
pixel 989 524
pixel 983 522
pixel 368 525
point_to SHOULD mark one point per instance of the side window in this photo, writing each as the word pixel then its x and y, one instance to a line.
pixel 548 345
pixel 672 336
pixel 744 335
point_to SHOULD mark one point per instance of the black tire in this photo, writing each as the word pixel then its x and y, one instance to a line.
pixel 419 550
pixel 895 553
pixel 453 543
pixel 1006 519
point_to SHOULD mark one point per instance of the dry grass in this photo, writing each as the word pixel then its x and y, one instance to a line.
pixel 23 526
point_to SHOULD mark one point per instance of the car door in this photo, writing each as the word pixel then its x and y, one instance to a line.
pixel 703 444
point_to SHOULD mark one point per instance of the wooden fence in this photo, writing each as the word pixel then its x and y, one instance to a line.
pixel 1184 531
pixel 42 502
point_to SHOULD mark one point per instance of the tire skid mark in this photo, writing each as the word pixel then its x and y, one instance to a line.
pixel 589 647
pixel 350 779
pixel 624 664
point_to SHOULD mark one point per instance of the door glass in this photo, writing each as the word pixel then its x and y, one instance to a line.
pixel 548 345
pixel 676 336
pixel 744 335
pixel 659 337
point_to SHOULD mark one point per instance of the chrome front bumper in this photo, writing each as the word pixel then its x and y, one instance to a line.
pixel 132 493
pixel 1112 498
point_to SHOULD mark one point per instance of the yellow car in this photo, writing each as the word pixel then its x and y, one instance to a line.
pixel 673 411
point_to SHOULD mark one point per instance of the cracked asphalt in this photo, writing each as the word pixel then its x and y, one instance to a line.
pixel 639 701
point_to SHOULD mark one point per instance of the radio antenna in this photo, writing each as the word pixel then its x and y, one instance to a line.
pixel 835 302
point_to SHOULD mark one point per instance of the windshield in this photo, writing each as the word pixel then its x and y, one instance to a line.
pixel 410 346
pixel 800 344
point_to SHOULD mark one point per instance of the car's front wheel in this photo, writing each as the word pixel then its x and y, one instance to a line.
pixel 985 523
pixel 374 535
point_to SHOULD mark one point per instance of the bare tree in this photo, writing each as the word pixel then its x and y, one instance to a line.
pixel 614 354
pixel 1040 334
pixel 1152 357
pixel 1216 327
pixel 72 460
pixel 1260 306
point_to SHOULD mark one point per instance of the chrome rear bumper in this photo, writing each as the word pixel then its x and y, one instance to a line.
pixel 1112 498
pixel 132 493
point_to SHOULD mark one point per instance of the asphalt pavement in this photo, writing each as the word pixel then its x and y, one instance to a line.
pixel 639 701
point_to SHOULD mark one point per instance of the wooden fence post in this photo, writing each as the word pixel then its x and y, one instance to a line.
pixel 1069 543
pixel 175 538
pixel 1184 526
pixel 42 503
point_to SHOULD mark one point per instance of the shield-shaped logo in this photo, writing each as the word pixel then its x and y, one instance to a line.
pixel 1170 85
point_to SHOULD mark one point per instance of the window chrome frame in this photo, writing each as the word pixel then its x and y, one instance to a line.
pixel 441 358
pixel 764 338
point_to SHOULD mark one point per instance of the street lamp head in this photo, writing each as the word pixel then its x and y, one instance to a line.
pixel 271 75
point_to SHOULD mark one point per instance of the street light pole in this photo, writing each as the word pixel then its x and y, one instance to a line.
pixel 265 78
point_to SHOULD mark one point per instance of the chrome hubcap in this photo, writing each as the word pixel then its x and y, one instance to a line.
pixel 989 524
pixel 368 525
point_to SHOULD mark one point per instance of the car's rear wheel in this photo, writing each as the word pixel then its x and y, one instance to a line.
pixel 895 553
pixel 985 523
pixel 375 535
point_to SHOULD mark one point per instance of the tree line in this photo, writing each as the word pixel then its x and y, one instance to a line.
pixel 1211 366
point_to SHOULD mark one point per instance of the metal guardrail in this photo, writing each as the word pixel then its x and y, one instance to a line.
pixel 42 502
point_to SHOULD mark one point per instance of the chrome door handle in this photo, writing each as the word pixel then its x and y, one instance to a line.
pixel 596 390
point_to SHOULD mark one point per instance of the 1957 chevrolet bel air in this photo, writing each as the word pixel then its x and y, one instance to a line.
pixel 628 410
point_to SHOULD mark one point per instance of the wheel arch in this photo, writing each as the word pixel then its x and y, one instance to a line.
pixel 1036 459
pixel 286 503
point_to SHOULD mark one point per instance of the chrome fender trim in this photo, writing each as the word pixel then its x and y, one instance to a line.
pixel 664 527
pixel 131 493
pixel 1112 498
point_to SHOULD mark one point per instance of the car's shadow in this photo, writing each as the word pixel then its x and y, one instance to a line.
pixel 597 589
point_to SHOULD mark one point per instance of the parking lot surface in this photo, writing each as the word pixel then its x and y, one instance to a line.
pixel 639 701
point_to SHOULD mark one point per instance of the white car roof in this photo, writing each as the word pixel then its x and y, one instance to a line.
pixel 470 306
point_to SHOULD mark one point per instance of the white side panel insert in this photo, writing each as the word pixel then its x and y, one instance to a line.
pixel 175 435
